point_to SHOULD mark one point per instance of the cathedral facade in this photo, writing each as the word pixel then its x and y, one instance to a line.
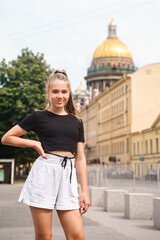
pixel 111 60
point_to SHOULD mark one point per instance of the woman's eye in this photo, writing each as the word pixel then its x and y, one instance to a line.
pixel 55 91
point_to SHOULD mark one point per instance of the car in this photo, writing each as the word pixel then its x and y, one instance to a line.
pixel 125 173
pixel 151 175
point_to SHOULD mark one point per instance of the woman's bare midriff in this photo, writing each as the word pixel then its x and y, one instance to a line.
pixel 62 153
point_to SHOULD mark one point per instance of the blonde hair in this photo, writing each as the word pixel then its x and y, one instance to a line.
pixel 61 75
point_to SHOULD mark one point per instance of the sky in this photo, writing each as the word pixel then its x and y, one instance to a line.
pixel 67 32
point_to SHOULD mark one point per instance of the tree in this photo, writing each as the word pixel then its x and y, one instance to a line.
pixel 22 84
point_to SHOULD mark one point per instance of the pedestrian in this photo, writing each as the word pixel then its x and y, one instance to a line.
pixel 52 181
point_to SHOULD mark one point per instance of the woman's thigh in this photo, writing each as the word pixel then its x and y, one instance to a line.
pixel 72 223
pixel 42 219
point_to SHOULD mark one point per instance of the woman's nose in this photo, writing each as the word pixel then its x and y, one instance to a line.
pixel 59 95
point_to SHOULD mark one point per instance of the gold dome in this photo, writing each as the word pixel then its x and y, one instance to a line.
pixel 81 87
pixel 112 47
pixel 112 22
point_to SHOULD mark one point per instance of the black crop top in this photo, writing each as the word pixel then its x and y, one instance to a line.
pixel 55 132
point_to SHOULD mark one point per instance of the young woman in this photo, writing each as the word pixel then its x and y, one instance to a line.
pixel 52 181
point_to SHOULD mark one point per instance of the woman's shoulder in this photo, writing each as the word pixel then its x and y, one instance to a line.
pixel 38 113
pixel 77 118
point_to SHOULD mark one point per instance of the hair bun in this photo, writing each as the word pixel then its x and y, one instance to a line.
pixel 60 71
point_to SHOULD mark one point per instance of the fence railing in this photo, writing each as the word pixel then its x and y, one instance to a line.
pixel 134 177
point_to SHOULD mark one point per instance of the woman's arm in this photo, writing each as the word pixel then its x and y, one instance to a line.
pixel 81 168
pixel 12 138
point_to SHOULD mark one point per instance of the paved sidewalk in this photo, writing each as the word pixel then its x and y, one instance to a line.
pixel 131 229
pixel 16 222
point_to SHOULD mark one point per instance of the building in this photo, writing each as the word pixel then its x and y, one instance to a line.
pixel 145 151
pixel 128 106
pixel 89 116
pixel 111 60
pixel 81 96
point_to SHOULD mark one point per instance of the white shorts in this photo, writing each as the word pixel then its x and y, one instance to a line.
pixel 51 183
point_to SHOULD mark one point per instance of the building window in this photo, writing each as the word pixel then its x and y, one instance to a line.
pixel 123 65
pixel 97 66
pixel 82 102
pixel 113 148
pixel 126 88
pixel 146 146
pixel 126 104
pixel 122 105
pixel 127 145
pixel 157 145
pixel 137 148
pixel 134 149
pixel 116 147
pixel 122 146
pixel 150 145
pixel 126 120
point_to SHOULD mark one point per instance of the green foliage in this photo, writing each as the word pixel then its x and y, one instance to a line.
pixel 22 85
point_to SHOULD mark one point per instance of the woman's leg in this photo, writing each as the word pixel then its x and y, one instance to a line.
pixel 42 219
pixel 71 221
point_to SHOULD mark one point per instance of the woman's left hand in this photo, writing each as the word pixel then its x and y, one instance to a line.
pixel 84 202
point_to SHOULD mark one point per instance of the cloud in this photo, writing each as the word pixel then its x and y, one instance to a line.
pixel 74 64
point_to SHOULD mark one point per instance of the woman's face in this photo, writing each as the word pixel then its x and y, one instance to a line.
pixel 58 93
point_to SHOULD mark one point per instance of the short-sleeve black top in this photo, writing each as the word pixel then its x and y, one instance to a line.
pixel 55 132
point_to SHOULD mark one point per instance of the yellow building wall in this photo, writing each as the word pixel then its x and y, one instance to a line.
pixel 146 144
pixel 147 147
pixel 113 122
pixel 145 96
pixel 90 129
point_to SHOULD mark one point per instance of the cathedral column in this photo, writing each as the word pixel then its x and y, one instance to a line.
pixel 97 85
pixel 104 85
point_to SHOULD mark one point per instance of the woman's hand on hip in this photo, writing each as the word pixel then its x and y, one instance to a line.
pixel 84 202
pixel 38 147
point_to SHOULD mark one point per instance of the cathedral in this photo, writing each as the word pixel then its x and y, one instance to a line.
pixel 111 60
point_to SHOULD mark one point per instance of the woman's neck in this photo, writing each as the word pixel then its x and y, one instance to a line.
pixel 59 111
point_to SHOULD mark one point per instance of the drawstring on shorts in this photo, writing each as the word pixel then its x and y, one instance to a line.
pixel 64 163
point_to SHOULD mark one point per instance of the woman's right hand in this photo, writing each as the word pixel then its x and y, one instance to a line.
pixel 38 147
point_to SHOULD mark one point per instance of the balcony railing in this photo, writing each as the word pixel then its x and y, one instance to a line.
pixel 110 70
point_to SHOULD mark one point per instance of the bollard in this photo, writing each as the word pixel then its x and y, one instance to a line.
pixel 156 213
pixel 96 196
pixel 138 206
pixel 114 200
